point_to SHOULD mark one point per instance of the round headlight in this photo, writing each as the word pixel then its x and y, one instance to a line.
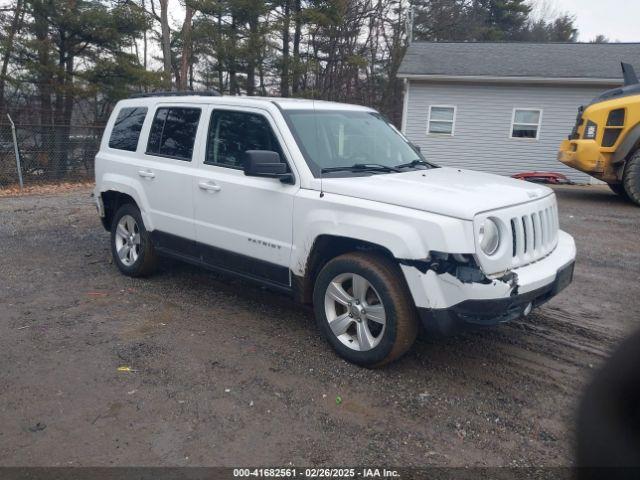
pixel 489 237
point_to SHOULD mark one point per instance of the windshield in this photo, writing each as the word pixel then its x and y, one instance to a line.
pixel 334 139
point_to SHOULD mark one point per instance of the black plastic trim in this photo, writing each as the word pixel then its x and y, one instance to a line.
pixel 206 93
pixel 615 93
pixel 222 261
pixel 628 144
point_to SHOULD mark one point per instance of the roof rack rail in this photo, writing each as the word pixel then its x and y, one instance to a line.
pixel 206 93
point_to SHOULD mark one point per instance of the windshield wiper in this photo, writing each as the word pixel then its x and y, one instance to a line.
pixel 415 163
pixel 371 167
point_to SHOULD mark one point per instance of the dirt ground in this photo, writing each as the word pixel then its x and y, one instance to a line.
pixel 226 373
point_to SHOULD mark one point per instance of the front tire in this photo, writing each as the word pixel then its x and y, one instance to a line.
pixel 131 246
pixel 631 178
pixel 364 310
pixel 618 189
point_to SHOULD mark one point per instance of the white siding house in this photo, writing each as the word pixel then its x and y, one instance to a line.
pixel 502 107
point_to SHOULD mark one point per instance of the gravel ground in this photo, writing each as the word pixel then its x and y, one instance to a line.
pixel 225 373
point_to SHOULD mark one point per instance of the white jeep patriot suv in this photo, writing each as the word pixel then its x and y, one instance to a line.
pixel 332 205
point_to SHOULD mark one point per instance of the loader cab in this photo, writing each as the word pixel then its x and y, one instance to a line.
pixel 605 140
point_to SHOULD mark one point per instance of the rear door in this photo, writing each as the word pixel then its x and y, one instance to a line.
pixel 243 224
pixel 166 172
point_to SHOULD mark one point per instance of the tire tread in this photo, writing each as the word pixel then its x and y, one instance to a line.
pixel 631 178
pixel 149 258
pixel 406 315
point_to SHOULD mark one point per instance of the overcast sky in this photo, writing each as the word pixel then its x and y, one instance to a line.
pixel 615 19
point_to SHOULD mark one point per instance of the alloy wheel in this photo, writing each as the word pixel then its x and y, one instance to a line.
pixel 355 312
pixel 127 240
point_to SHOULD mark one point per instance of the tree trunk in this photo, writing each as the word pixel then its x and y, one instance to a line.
pixel 44 80
pixel 297 35
pixel 68 107
pixel 59 146
pixel 233 81
pixel 145 47
pixel 185 60
pixel 263 88
pixel 69 93
pixel 44 75
pixel 252 54
pixel 14 28
pixel 284 79
pixel 166 42
pixel 220 62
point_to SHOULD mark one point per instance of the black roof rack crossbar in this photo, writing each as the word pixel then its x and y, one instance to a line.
pixel 207 93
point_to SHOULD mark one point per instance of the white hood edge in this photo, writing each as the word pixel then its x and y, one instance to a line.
pixel 446 191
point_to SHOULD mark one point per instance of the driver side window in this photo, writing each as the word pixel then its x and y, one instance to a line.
pixel 232 133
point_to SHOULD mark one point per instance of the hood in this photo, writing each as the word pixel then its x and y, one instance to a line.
pixel 445 191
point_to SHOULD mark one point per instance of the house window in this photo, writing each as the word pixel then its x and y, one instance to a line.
pixel 525 123
pixel 442 120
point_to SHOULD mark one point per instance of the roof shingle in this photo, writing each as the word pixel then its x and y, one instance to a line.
pixel 543 60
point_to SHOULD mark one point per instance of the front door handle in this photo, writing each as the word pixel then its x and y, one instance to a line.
pixel 209 186
pixel 146 174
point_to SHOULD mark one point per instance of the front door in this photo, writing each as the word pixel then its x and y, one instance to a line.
pixel 243 224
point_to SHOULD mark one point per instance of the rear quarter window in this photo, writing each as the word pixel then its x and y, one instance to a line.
pixel 126 129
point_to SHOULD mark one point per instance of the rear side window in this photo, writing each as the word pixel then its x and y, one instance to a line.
pixel 126 130
pixel 233 133
pixel 173 132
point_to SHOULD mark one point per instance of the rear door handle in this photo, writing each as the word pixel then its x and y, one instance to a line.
pixel 146 174
pixel 209 186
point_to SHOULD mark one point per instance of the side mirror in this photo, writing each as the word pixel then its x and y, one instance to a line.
pixel 264 163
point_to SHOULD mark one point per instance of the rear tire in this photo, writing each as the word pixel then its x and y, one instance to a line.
pixel 631 178
pixel 131 246
pixel 383 325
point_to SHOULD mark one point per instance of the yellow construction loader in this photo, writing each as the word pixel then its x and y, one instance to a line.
pixel 606 138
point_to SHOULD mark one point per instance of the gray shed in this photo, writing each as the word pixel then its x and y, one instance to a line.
pixel 504 107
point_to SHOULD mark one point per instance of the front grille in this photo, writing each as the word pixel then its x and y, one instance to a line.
pixel 579 121
pixel 528 233
pixel 534 235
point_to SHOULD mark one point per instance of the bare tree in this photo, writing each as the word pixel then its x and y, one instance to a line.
pixel 9 46
pixel 185 59
pixel 165 39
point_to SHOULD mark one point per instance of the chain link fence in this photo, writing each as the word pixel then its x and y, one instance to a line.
pixel 48 153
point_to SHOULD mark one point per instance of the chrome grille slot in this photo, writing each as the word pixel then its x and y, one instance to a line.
pixel 529 232
pixel 533 235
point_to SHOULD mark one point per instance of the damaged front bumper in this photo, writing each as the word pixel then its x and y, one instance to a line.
pixel 491 312
pixel 445 303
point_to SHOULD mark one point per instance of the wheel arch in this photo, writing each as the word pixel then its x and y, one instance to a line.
pixel 112 201
pixel 325 248
pixel 628 146
pixel 116 190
